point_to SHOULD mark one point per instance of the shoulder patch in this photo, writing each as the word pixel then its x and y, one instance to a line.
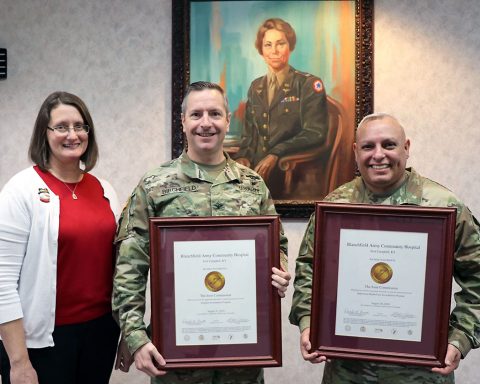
pixel 317 86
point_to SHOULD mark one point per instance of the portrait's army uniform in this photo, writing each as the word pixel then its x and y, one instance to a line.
pixel 464 328
pixel 181 188
pixel 295 120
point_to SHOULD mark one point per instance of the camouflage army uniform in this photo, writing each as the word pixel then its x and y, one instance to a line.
pixel 180 188
pixel 464 330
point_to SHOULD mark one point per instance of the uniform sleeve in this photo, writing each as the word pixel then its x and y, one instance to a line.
pixel 302 295
pixel 248 139
pixel 313 120
pixel 131 272
pixel 268 208
pixel 464 332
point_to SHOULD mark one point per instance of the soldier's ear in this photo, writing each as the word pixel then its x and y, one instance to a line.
pixel 229 116
pixel 407 147
pixel 182 116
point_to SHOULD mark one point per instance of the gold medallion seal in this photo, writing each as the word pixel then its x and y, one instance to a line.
pixel 381 273
pixel 214 281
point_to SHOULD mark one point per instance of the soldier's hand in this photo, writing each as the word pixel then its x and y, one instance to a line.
pixel 280 280
pixel 147 359
pixel 452 361
pixel 305 347
pixel 266 166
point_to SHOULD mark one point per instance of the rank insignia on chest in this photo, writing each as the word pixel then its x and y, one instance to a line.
pixel 317 86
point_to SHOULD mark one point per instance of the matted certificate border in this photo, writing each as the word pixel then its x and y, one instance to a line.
pixel 439 224
pixel 264 231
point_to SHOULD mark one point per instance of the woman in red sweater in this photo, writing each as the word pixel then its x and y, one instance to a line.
pixel 57 228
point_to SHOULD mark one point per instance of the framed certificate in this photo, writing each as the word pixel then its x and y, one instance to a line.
pixel 213 304
pixel 382 279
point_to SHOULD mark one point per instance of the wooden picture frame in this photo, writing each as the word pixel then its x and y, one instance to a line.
pixel 372 298
pixel 306 176
pixel 213 304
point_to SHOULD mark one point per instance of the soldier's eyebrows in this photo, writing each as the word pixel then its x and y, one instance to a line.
pixel 209 110
pixel 368 140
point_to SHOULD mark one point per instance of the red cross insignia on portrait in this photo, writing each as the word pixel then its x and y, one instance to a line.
pixel 44 195
pixel 317 86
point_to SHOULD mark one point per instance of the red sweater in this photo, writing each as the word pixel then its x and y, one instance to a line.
pixel 85 259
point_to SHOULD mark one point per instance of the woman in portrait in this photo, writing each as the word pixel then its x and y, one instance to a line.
pixel 286 109
pixel 57 226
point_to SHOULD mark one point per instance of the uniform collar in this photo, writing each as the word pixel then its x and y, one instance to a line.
pixel 281 76
pixel 410 192
pixel 194 171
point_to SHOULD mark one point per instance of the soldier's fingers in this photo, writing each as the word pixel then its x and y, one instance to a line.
pixel 279 285
pixel 279 281
pixel 281 289
pixel 283 274
pixel 158 358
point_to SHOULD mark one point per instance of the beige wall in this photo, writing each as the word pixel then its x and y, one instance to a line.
pixel 116 56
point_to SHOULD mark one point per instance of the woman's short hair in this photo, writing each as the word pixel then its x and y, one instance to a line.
pixel 279 25
pixel 39 150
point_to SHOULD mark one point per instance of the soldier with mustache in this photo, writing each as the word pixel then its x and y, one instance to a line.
pixel 381 152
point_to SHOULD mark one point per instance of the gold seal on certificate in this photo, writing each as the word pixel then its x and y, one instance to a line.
pixel 214 281
pixel 381 273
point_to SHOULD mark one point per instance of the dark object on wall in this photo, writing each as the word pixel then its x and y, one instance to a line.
pixel 3 63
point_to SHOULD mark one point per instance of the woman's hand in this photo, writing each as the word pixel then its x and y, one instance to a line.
pixel 266 166
pixel 13 337
pixel 23 373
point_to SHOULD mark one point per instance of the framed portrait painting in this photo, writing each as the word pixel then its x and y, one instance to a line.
pixel 298 76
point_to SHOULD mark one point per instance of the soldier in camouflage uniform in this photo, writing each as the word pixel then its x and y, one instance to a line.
pixel 381 151
pixel 202 182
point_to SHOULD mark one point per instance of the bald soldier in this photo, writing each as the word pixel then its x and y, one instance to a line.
pixel 203 181
pixel 381 152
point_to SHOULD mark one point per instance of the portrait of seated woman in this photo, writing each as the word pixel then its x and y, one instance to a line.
pixel 286 110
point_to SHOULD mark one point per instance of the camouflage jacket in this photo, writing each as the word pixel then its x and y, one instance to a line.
pixel 464 331
pixel 175 189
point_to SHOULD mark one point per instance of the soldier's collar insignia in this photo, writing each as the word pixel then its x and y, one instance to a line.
pixel 44 195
